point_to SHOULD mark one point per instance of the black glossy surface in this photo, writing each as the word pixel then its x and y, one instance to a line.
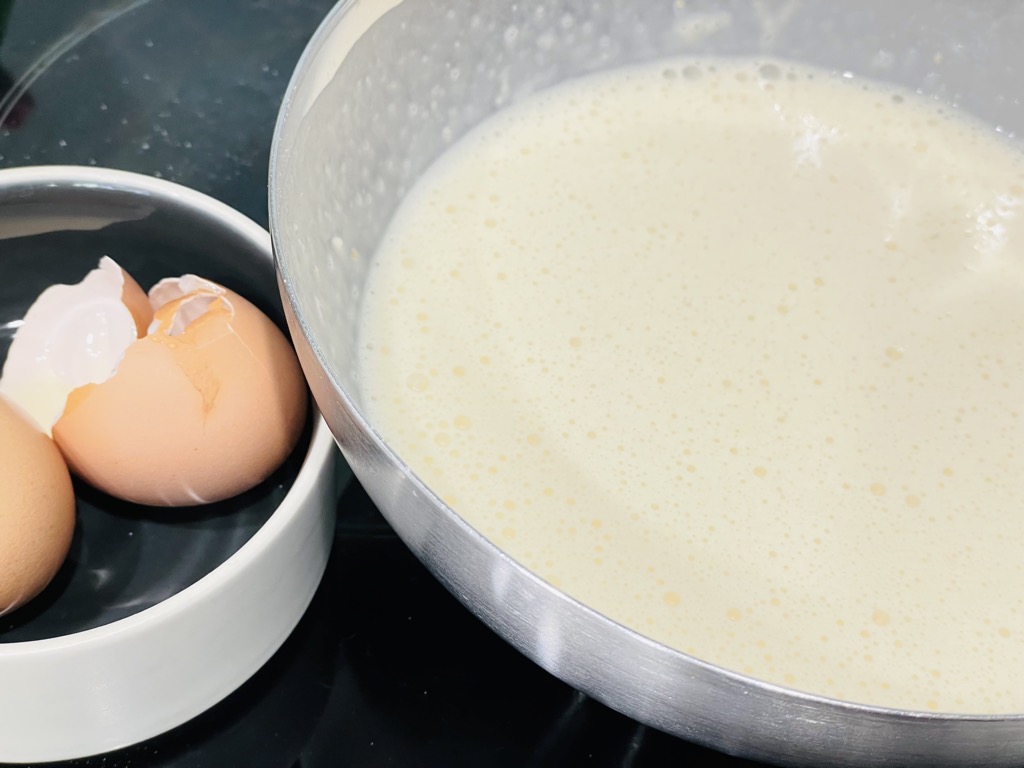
pixel 386 668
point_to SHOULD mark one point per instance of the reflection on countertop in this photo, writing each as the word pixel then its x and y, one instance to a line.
pixel 185 90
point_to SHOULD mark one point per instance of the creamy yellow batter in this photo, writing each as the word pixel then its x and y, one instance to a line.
pixel 734 354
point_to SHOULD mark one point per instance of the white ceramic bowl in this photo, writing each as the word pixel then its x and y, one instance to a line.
pixel 153 620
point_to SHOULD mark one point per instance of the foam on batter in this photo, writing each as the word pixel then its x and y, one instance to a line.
pixel 734 354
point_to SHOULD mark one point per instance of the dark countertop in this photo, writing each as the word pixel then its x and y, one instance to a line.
pixel 386 668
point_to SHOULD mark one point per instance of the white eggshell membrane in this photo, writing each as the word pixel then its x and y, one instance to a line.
pixel 71 336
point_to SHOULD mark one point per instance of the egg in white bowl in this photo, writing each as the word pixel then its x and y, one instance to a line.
pixel 157 611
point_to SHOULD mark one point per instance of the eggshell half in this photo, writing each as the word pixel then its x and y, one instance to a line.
pixel 37 509
pixel 137 302
pixel 193 414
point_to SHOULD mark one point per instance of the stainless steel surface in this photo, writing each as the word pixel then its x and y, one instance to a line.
pixel 381 91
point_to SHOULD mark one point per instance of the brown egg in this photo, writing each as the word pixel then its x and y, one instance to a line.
pixel 203 407
pixel 37 509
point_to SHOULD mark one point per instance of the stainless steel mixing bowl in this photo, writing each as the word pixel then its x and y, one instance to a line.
pixel 384 87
